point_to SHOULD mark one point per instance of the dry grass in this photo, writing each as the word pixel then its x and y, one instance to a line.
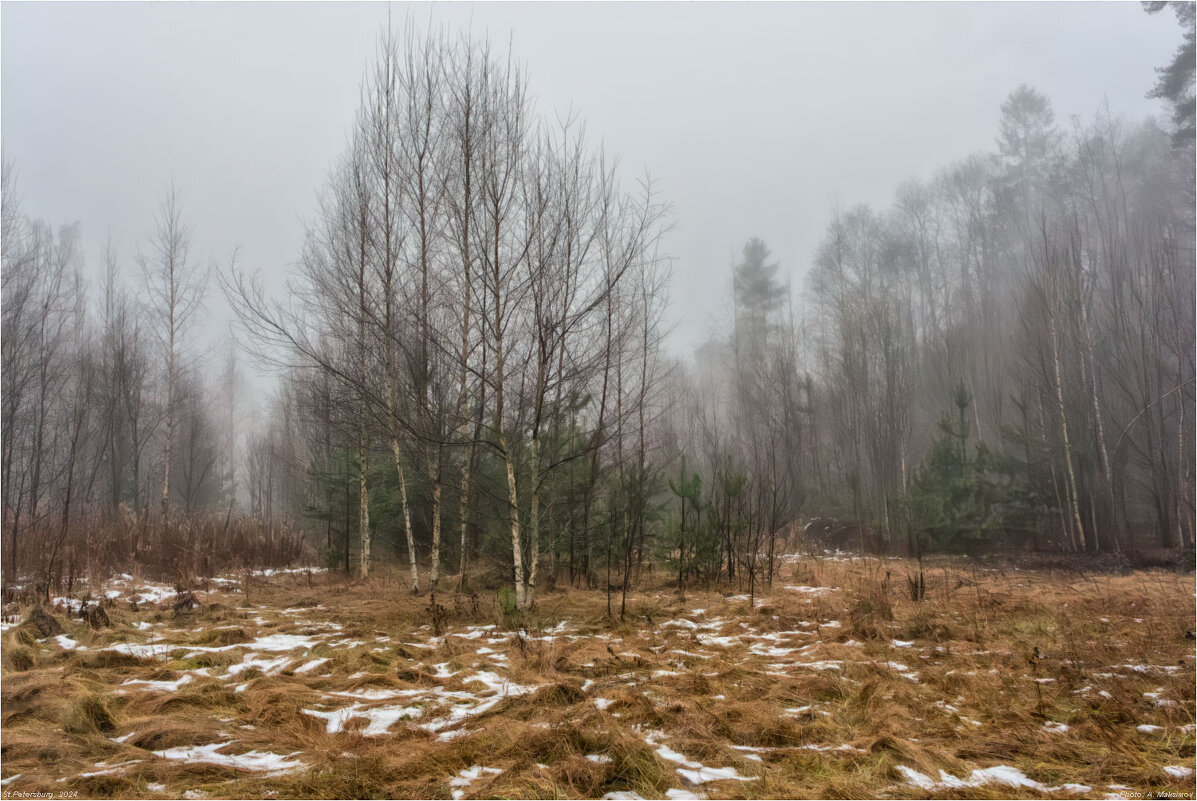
pixel 823 692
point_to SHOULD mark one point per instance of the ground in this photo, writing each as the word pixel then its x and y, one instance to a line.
pixel 833 683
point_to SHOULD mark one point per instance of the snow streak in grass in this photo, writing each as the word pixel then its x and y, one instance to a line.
pixel 381 718
pixel 468 776
pixel 251 760
pixel 1000 774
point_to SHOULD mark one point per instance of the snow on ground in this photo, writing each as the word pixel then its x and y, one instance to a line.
pixel 252 662
pixel 165 686
pixel 381 718
pixel 469 775
pixel 695 772
pixel 802 588
pixel 289 571
pixel 107 770
pixel 703 774
pixel 442 711
pixel 251 760
pixel 676 794
pixel 1000 774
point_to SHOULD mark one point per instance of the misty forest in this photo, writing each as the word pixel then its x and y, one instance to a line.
pixel 914 519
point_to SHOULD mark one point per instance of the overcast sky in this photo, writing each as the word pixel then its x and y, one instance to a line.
pixel 755 119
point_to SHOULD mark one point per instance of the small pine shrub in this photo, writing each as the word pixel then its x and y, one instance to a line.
pixel 508 610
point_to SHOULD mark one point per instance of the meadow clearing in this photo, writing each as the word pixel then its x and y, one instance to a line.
pixel 833 683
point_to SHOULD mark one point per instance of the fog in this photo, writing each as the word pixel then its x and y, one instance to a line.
pixel 822 335
pixel 754 119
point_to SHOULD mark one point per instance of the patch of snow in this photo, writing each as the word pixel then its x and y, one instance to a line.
pixel 1147 728
pixel 702 775
pixel 161 686
pixel 381 717
pixel 266 666
pixel 1178 771
pixel 66 643
pixel 468 776
pixel 143 651
pixel 282 642
pixel 1150 668
pixel 499 684
pixel 680 623
pixel 600 759
pixel 690 654
pixel 808 590
pixel 822 664
pixel 665 752
pixel 718 642
pixel 288 571
pixel 501 687
pixel 251 760
pixel 108 771
pixel 153 593
pixel 1000 774
pixel 311 665
pixel 760 649
pixel 374 695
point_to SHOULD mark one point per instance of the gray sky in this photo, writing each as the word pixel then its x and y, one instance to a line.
pixel 754 118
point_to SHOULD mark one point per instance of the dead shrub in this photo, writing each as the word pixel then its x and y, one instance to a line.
pixel 18 657
pixel 869 612
pixel 561 694
pixel 96 617
pixel 925 624
pixel 88 715
pixel 233 636
pixel 42 623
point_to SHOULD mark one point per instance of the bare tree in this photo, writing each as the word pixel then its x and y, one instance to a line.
pixel 174 286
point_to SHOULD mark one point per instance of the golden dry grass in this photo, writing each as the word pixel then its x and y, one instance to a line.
pixel 833 690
